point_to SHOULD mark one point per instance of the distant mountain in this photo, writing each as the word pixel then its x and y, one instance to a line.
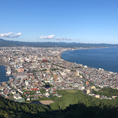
pixel 7 43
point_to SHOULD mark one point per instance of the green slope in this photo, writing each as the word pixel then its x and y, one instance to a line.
pixel 73 104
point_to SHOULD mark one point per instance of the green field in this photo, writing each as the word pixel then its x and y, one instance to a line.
pixel 72 104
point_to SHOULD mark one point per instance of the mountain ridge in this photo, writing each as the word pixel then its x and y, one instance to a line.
pixel 7 43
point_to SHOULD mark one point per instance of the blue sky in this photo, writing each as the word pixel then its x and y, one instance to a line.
pixel 86 21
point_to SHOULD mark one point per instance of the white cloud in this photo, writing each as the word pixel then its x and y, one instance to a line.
pixel 10 35
pixel 52 36
pixel 47 37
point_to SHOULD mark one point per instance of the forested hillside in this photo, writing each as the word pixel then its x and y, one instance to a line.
pixel 65 107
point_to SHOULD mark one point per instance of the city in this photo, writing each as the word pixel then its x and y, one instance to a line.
pixel 40 72
pixel 58 59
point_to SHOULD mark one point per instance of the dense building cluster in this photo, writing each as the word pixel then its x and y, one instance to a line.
pixel 40 72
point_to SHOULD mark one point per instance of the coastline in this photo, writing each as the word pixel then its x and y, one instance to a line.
pixel 60 55
pixel 50 67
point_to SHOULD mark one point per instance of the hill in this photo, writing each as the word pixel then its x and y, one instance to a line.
pixel 86 107
pixel 7 43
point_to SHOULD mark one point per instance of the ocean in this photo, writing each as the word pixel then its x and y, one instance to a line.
pixel 105 58
pixel 3 76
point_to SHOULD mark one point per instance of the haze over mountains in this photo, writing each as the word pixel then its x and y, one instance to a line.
pixel 7 43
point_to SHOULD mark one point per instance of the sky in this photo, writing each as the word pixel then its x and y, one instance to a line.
pixel 83 21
